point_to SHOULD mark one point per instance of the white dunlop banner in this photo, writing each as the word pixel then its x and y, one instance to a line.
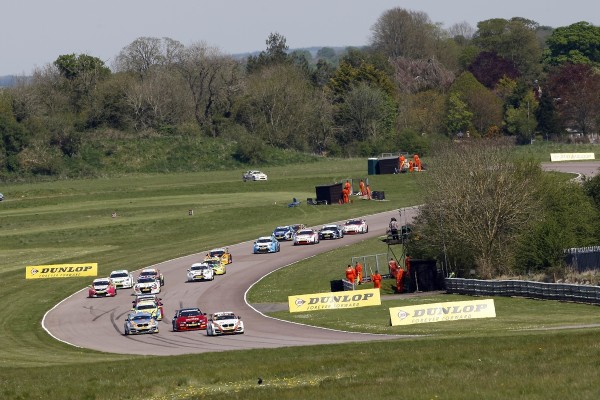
pixel 571 156
pixel 438 312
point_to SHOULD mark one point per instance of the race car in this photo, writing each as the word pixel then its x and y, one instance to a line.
pixel 151 307
pixel 122 278
pixel 187 319
pixel 306 236
pixel 224 323
pixel 217 266
pixel 200 272
pixel 331 232
pixel 146 297
pixel 353 226
pixel 222 253
pixel 266 244
pixel 153 272
pixel 254 176
pixel 146 285
pixel 285 232
pixel 102 287
pixel 138 323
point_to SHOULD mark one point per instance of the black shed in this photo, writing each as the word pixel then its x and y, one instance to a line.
pixel 330 193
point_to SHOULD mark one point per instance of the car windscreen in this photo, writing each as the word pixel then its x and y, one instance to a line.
pixel 146 279
pixel 223 317
pixel 101 283
pixel 216 253
pixel 266 240
pixel 119 275
pixel 190 313
pixel 146 306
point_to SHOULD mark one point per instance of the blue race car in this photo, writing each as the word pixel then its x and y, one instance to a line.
pixel 284 233
pixel 266 244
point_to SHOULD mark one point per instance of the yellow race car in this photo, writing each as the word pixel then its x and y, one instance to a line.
pixel 222 253
pixel 217 265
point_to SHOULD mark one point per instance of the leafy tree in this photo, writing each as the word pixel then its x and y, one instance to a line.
pixel 546 115
pixel 567 218
pixel 403 33
pixel 276 53
pixel 479 202
pixel 350 73
pixel 367 113
pixel 514 40
pixel 591 187
pixel 145 53
pixel 459 117
pixel 575 88
pixel 328 55
pixel 489 68
pixel 485 106
pixel 423 112
pixel 323 72
pixel 578 43
pixel 279 106
pixel 13 139
pixel 521 121
pixel 82 74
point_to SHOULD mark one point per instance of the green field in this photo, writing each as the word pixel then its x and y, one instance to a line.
pixel 533 349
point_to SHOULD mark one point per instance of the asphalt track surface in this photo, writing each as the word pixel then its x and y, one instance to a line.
pixel 98 323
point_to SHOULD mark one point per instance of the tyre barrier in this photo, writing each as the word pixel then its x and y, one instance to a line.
pixel 535 290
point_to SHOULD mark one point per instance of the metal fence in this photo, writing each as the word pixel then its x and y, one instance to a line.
pixel 534 290
pixel 583 258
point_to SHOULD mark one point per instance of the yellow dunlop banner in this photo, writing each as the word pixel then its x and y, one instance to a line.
pixel 61 271
pixel 335 300
pixel 438 312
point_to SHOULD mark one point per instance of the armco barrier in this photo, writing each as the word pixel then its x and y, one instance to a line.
pixel 534 290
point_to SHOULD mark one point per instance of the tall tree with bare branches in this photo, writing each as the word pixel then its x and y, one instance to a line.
pixel 479 202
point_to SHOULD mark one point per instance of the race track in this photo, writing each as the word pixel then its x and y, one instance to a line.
pixel 98 323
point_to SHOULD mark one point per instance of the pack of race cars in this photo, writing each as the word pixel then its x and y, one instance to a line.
pixel 147 308
pixel 299 234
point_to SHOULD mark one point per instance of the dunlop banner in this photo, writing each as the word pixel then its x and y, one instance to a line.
pixel 437 312
pixel 61 271
pixel 335 300
pixel 571 156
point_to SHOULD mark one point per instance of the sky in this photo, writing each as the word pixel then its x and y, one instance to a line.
pixel 33 33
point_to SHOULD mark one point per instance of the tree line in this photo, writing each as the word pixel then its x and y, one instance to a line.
pixel 414 81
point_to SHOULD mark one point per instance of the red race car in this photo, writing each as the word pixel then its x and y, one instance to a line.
pixel 187 319
pixel 102 287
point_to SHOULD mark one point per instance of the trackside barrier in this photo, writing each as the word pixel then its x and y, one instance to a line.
pixel 534 290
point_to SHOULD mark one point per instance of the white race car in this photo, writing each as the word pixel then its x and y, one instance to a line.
pixel 355 226
pixel 306 236
pixel 254 176
pixel 122 278
pixel 200 272
pixel 224 323
pixel 146 285
pixel 153 272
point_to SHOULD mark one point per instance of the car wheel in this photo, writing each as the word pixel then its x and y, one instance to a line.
pixel 126 332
